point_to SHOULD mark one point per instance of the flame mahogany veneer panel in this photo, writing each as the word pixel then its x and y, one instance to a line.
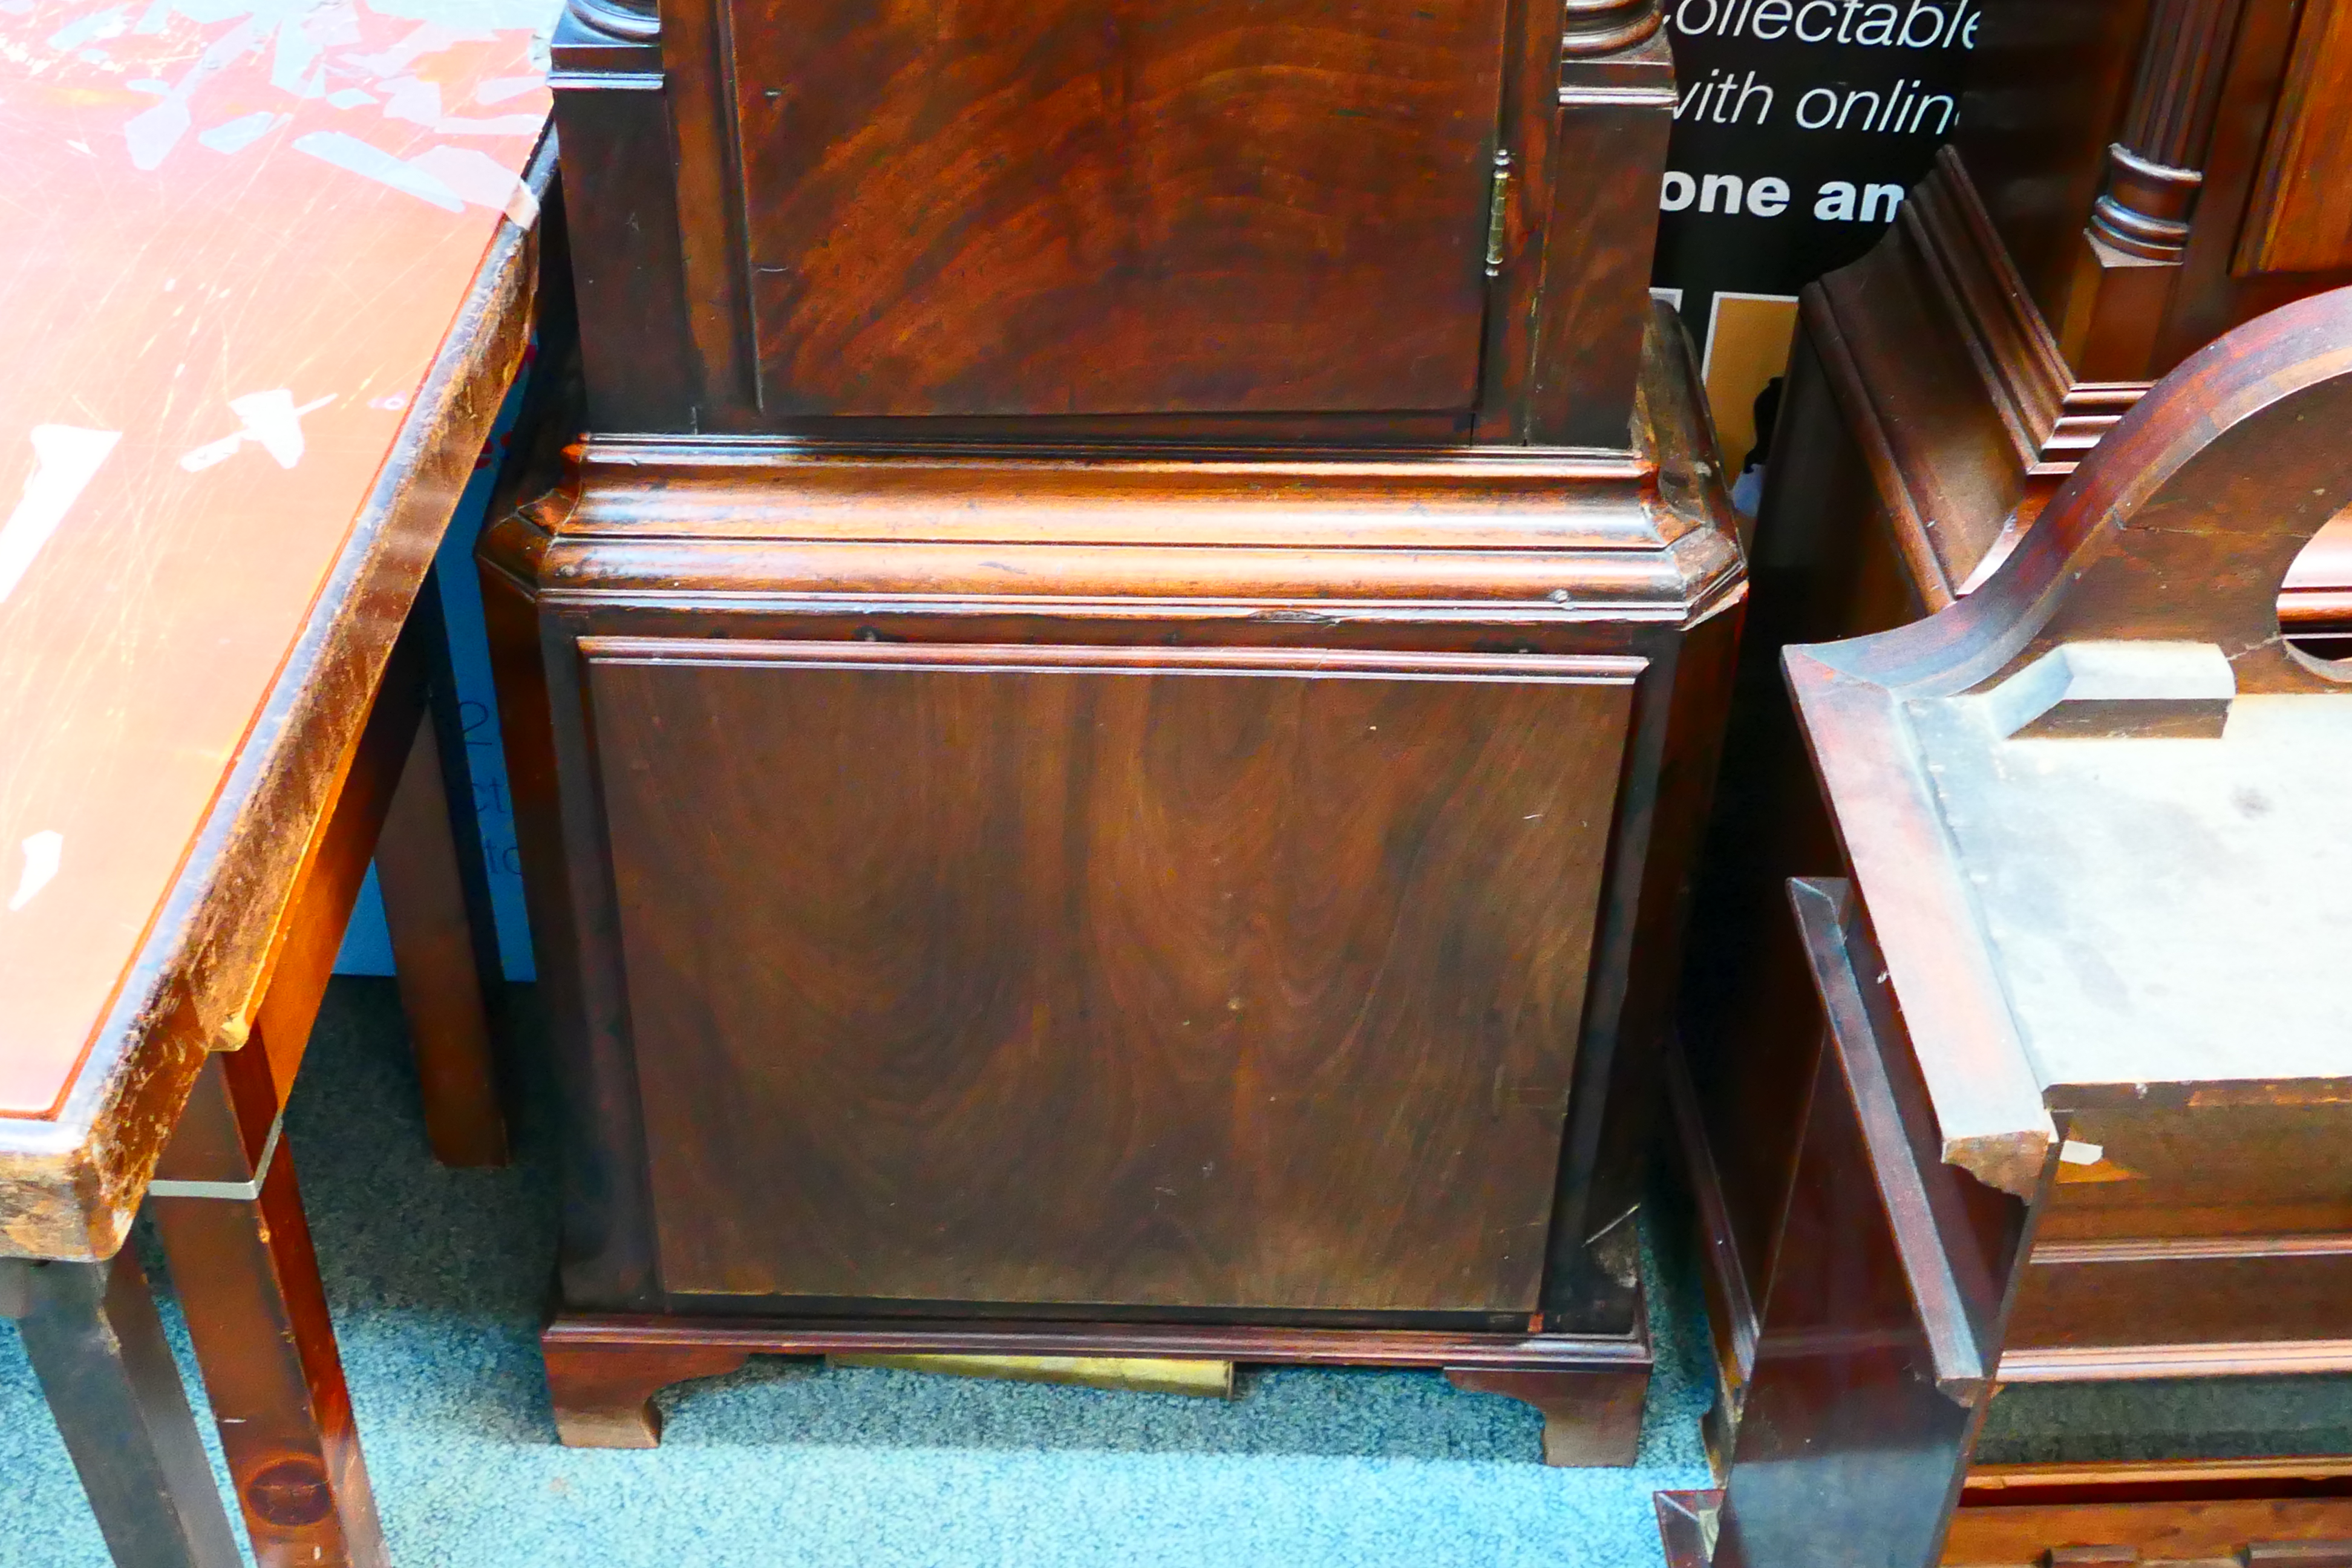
pixel 1068 207
pixel 1183 978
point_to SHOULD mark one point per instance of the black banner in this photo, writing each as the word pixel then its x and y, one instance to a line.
pixel 1800 125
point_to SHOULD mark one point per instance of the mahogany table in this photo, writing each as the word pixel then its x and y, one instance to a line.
pixel 268 279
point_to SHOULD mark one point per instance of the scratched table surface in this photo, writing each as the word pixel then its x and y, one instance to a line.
pixel 232 233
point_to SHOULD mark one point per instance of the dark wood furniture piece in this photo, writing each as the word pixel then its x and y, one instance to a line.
pixel 2248 1513
pixel 225 693
pixel 1108 723
pixel 2127 180
pixel 2081 1102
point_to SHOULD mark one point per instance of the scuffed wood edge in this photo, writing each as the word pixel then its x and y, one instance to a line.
pixel 1691 506
pixel 1982 1082
pixel 70 1185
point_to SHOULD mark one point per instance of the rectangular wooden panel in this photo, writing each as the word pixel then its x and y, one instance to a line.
pixel 2170 1173
pixel 2294 1291
pixel 1155 976
pixel 2301 216
pixel 1102 206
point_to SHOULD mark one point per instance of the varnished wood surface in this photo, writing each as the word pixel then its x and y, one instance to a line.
pixel 2252 1510
pixel 1004 208
pixel 189 653
pixel 2289 1296
pixel 1080 693
pixel 2292 1512
pixel 2048 86
pixel 1885 1297
pixel 2175 532
pixel 1266 222
pixel 436 959
pixel 2301 219
pixel 2218 464
pixel 2229 1174
pixel 1590 1419
pixel 94 1339
pixel 1930 416
pixel 2237 94
pixel 248 1277
pixel 1198 978
pixel 244 1267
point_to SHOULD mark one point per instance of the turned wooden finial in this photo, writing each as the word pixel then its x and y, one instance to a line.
pixel 2152 175
pixel 637 21
pixel 1605 27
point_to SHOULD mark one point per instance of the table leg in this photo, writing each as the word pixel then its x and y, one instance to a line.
pixel 242 1262
pixel 434 955
pixel 92 1335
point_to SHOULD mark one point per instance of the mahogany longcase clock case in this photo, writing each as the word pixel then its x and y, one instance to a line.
pixel 1107 720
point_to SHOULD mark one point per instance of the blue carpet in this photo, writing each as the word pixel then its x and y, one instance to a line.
pixel 438 1278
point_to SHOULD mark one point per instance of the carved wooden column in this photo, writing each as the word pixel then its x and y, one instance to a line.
pixel 2132 249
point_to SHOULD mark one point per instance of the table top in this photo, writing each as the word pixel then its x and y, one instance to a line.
pixel 238 232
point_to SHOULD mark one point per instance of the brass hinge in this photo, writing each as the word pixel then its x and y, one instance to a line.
pixel 1494 213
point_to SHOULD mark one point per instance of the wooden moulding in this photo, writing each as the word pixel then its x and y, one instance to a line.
pixel 2176 532
pixel 604 1371
pixel 1546 535
pixel 1960 395
pixel 1952 385
pixel 208 958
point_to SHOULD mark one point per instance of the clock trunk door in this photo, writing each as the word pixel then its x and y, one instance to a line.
pixel 1029 207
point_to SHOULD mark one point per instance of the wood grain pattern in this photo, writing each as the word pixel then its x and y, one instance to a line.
pixel 2301 219
pixel 1624 600
pixel 1584 340
pixel 2177 529
pixel 1930 417
pixel 2238 1171
pixel 981 911
pixel 2196 88
pixel 993 207
pixel 2182 529
pixel 2253 1296
pixel 1854 1429
pixel 1196 979
pixel 2260 1531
